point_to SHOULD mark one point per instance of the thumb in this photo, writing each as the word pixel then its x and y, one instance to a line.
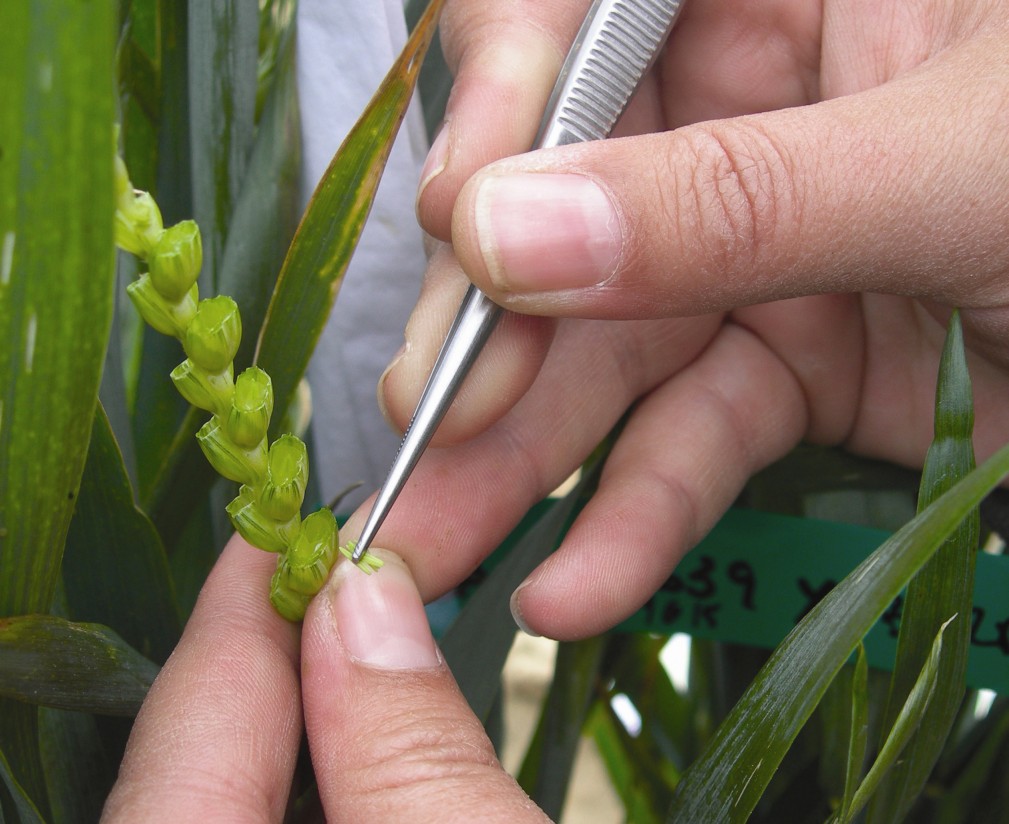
pixel 391 736
pixel 895 189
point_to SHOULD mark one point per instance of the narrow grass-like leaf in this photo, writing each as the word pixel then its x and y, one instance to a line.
pixel 621 764
pixel 729 778
pixel 223 75
pixel 970 789
pixel 79 771
pixel 56 277
pixel 139 74
pixel 56 282
pixel 84 667
pixel 671 723
pixel 112 394
pixel 909 719
pixel 22 805
pixel 477 643
pixel 158 407
pixel 331 227
pixel 159 411
pixel 266 211
pixel 859 733
pixel 115 571
pixel 831 726
pixel 546 769
pixel 943 587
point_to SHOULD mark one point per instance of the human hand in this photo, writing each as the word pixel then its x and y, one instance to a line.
pixel 391 737
pixel 801 194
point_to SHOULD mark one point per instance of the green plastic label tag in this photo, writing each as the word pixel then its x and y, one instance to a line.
pixel 757 574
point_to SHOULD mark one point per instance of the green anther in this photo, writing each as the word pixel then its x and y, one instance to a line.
pixel 311 556
pixel 367 564
pixel 212 338
pixel 245 466
pixel 176 259
pixel 283 488
pixel 211 391
pixel 248 416
pixel 166 317
pixel 259 529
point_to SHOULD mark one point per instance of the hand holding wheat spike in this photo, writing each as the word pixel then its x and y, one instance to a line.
pixel 267 511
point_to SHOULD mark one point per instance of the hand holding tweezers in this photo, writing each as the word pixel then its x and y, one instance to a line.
pixel 615 47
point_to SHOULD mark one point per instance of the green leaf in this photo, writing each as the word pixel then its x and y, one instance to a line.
pixel 79 772
pixel 546 769
pixel 729 778
pixel 56 278
pixel 115 571
pixel 859 733
pixel 612 742
pixel 671 723
pixel 22 805
pixel 477 643
pixel 72 666
pixel 331 227
pixel 223 75
pixel 112 394
pixel 909 719
pixel 266 211
pixel 943 587
pixel 970 787
pixel 164 146
pixel 182 478
pixel 56 281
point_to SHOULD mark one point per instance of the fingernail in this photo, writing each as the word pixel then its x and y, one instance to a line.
pixel 437 158
pixel 380 617
pixel 542 232
pixel 516 609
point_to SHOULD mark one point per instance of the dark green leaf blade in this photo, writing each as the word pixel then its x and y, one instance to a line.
pixel 729 778
pixel 73 666
pixel 859 732
pixel 546 770
pixel 56 283
pixel 158 407
pixel 115 571
pixel 331 227
pixel 970 788
pixel 622 765
pixel 266 210
pixel 223 76
pixel 27 812
pixel 942 588
pixel 79 771
pixel 476 645
pixel 908 720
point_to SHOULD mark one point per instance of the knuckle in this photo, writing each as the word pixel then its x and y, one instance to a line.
pixel 741 185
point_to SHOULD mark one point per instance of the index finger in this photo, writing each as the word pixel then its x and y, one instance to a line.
pixel 504 62
pixel 217 737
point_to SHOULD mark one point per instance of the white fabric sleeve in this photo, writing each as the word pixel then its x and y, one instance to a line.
pixel 344 49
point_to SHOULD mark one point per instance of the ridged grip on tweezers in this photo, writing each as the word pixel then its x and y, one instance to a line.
pixel 613 50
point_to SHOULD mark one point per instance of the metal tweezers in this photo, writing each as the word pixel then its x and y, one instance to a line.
pixel 615 47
